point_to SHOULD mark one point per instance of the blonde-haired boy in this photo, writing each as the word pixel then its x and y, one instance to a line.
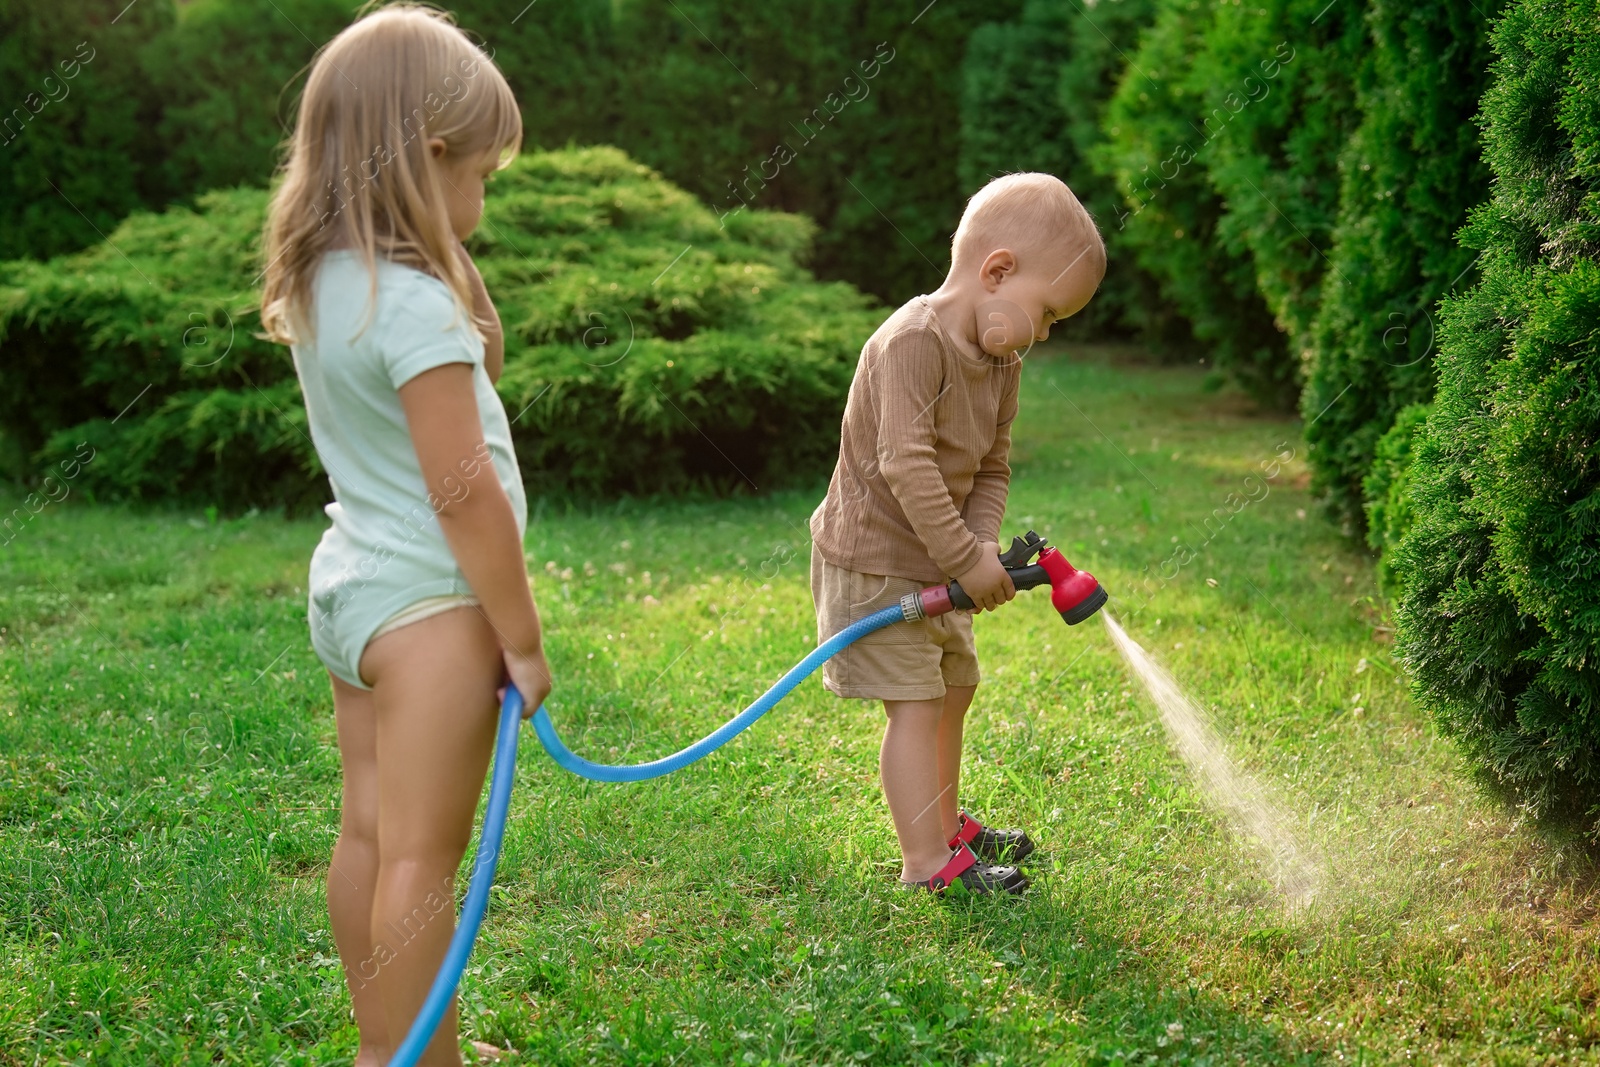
pixel 917 496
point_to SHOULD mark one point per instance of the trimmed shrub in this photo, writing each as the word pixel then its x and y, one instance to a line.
pixel 1408 176
pixel 75 129
pixel 1499 616
pixel 1387 489
pixel 740 361
pixel 141 347
pixel 1155 146
pixel 647 349
pixel 1282 77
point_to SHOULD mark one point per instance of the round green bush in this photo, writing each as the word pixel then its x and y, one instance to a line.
pixel 648 347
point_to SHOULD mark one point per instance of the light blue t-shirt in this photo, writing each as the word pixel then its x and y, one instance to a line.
pixel 385 548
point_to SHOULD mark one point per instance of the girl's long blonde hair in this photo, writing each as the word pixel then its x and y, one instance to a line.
pixel 358 173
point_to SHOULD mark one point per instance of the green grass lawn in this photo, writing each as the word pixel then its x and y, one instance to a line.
pixel 170 784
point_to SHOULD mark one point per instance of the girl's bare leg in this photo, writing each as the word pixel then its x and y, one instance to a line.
pixel 434 687
pixel 353 874
pixel 957 699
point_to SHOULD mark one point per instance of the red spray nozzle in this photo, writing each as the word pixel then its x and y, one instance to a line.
pixel 1075 594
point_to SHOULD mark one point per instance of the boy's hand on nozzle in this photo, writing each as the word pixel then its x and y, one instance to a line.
pixel 531 676
pixel 987 584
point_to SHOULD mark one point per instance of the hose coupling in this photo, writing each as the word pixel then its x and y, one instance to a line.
pixel 911 607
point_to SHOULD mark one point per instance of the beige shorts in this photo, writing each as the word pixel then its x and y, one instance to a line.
pixel 905 661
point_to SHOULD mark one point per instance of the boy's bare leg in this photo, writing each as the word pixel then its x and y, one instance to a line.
pixel 957 699
pixel 434 690
pixel 908 766
pixel 353 873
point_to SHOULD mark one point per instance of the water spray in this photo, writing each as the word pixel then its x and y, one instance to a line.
pixel 1239 796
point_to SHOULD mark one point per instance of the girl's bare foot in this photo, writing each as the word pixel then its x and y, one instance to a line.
pixel 487 1052
pixel 369 1057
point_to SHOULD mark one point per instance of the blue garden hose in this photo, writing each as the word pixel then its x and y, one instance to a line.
pixel 605 772
pixel 494 817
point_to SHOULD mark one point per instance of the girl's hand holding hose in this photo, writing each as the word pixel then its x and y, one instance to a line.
pixel 531 676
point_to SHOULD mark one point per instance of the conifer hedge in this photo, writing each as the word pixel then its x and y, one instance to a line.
pixel 1499 617
pixel 1408 176
pixel 1156 144
pixel 77 148
pixel 647 348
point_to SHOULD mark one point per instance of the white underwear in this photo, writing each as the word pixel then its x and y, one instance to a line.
pixel 421 609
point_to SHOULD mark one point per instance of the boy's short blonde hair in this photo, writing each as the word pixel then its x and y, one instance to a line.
pixel 1031 213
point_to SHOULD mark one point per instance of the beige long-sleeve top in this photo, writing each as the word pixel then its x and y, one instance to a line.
pixel 922 472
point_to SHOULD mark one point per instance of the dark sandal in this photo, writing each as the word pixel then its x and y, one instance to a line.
pixel 975 877
pixel 1013 846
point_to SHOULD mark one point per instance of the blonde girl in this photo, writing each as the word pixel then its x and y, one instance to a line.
pixel 419 602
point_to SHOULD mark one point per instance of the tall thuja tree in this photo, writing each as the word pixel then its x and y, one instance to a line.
pixel 1101 37
pixel 1499 617
pixel 840 109
pixel 1156 141
pixel 561 62
pixel 904 198
pixel 1285 70
pixel 227 73
pixel 1011 119
pixel 76 149
pixel 1033 94
pixel 1408 176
